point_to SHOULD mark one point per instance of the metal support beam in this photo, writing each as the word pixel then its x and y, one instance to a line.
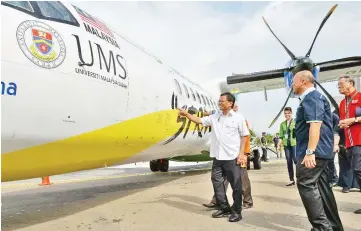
pixel 265 93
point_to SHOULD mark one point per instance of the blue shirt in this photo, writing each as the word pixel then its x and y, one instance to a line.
pixel 335 121
pixel 314 107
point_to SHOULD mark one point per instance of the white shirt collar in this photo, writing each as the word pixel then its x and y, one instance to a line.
pixel 230 113
pixel 308 90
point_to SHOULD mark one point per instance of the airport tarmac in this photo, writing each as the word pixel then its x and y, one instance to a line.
pixel 134 199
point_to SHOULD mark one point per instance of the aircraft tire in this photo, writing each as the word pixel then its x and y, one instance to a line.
pixel 163 166
pixel 256 160
pixel 153 164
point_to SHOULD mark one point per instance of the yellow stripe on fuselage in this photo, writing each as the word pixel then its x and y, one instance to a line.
pixel 95 149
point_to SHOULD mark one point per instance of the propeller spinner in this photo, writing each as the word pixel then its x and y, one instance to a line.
pixel 301 63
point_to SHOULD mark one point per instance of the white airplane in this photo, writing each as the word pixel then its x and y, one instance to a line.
pixel 77 95
pixel 274 79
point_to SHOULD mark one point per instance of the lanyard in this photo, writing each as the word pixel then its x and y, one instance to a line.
pixel 348 104
pixel 288 126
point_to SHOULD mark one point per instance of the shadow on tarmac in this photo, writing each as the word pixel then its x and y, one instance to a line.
pixel 32 206
pixel 273 221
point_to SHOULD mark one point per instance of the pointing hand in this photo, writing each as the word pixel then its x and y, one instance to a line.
pixel 182 112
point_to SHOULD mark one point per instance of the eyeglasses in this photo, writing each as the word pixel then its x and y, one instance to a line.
pixel 222 101
pixel 341 84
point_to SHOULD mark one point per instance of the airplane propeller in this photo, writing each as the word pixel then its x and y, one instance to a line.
pixel 303 63
pixel 284 105
pixel 333 102
pixel 293 57
pixel 319 29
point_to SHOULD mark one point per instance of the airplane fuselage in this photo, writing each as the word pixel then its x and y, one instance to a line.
pixel 76 95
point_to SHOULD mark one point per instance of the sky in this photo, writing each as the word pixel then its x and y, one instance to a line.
pixel 208 41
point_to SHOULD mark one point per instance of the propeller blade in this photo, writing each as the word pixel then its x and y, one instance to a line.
pixel 319 29
pixel 348 59
pixel 288 51
pixel 333 102
pixel 284 105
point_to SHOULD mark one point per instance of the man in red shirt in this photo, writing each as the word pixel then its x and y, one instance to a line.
pixel 350 121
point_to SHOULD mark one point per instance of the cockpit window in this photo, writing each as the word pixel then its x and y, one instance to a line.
pixel 20 4
pixel 47 10
pixel 55 10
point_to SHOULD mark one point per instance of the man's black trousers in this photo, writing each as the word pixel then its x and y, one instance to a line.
pixel 233 173
pixel 317 196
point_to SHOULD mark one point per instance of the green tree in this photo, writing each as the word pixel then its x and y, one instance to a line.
pixel 253 134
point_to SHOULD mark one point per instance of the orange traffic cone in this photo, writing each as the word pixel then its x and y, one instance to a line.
pixel 45 181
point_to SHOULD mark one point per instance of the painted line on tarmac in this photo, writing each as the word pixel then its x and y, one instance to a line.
pixel 32 185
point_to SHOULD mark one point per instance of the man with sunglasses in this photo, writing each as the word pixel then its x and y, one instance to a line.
pixel 350 122
pixel 228 139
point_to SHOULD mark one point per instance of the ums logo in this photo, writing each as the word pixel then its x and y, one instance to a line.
pixel 41 44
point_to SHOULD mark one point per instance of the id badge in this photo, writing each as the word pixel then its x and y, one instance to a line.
pixel 286 136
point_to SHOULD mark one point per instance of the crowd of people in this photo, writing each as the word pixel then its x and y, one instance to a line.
pixel 310 141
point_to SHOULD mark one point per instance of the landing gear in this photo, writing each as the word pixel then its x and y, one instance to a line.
pixel 159 165
pixel 153 164
pixel 256 159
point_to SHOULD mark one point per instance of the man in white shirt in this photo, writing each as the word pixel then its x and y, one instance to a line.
pixel 228 138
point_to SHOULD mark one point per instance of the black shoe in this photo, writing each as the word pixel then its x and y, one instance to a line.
pixel 220 213
pixel 211 205
pixel 358 211
pixel 345 190
pixel 290 184
pixel 235 217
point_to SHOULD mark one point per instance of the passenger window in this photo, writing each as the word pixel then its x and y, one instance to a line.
pixel 20 4
pixel 204 101
pixel 193 95
pixel 199 98
pixel 209 105
pixel 186 90
pixel 214 104
pixel 55 10
pixel 178 87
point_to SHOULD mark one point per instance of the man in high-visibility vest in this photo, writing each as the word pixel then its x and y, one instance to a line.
pixel 246 184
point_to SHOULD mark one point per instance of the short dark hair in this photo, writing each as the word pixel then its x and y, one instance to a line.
pixel 230 97
pixel 287 109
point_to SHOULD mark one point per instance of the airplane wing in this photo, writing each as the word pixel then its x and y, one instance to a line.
pixel 273 79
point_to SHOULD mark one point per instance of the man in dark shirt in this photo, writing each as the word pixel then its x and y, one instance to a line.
pixel 276 141
pixel 264 147
pixel 314 135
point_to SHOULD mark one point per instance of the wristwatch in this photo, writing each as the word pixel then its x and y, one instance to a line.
pixel 310 152
pixel 356 120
